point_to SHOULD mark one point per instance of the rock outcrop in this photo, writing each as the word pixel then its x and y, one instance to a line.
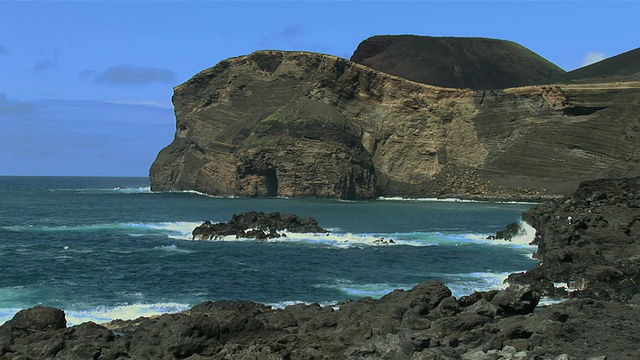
pixel 456 62
pixel 257 225
pixel 290 124
pixel 423 323
pixel 588 242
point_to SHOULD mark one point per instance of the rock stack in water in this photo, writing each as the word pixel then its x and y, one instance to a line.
pixel 257 225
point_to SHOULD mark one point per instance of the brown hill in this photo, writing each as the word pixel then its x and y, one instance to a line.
pixel 277 123
pixel 619 68
pixel 475 63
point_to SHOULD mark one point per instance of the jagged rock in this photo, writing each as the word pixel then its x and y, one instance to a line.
pixel 39 318
pixel 257 225
pixel 422 323
pixel 516 300
pixel 588 242
pixel 299 124
pixel 507 234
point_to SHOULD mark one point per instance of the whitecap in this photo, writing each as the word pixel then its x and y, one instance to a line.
pixel 102 314
pixel 455 200
pixel 172 249
pixel 374 290
pixel 465 284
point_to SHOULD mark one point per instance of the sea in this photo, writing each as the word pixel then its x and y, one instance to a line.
pixel 105 248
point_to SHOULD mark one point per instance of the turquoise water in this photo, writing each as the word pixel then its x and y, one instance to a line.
pixel 105 248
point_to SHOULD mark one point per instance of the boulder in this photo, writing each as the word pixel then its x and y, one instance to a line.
pixel 257 225
pixel 39 318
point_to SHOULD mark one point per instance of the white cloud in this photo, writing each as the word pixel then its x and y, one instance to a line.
pixel 126 74
pixel 593 57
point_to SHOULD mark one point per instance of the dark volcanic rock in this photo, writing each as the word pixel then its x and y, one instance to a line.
pixel 39 318
pixel 507 234
pixel 475 63
pixel 298 124
pixel 589 241
pixel 257 225
pixel 423 323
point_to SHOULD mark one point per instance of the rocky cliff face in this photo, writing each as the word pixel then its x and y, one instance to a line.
pixel 277 123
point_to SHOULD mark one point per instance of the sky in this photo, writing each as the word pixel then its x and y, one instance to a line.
pixel 85 86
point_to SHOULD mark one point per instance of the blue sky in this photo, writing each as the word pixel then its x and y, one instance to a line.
pixel 85 86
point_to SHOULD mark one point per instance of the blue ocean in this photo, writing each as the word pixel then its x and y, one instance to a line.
pixel 104 248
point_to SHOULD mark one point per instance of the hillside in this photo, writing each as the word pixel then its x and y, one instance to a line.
pixel 474 63
pixel 620 68
pixel 300 124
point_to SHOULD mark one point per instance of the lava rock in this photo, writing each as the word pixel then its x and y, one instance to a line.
pixel 257 225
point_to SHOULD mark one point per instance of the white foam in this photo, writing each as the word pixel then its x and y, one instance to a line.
pixel 172 249
pixel 284 304
pixel 198 193
pixel 336 240
pixel 548 301
pixel 526 235
pixel 522 239
pixel 397 198
pixel 178 230
pixel 373 290
pixel 102 314
pixel 465 284
pixel 116 189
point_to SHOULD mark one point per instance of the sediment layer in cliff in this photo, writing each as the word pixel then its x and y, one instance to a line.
pixel 277 123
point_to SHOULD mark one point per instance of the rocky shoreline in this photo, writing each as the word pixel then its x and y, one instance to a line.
pixel 588 242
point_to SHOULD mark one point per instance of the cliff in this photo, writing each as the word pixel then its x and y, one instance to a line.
pixel 475 63
pixel 277 123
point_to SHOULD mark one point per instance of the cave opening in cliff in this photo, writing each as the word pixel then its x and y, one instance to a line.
pixel 271 182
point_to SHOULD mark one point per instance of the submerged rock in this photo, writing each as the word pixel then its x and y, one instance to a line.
pixel 257 225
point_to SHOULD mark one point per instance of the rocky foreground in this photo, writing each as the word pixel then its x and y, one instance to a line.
pixel 589 238
pixel 589 243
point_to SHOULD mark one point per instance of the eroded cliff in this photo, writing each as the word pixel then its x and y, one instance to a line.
pixel 277 123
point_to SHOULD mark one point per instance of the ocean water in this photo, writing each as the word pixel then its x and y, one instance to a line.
pixel 109 248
